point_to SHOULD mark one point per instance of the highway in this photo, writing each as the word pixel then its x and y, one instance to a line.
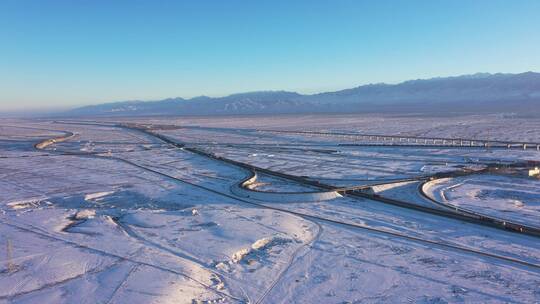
pixel 250 169
pixel 356 192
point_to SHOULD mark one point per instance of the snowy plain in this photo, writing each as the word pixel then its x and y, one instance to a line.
pixel 113 215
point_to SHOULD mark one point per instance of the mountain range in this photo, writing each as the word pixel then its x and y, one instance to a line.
pixel 477 93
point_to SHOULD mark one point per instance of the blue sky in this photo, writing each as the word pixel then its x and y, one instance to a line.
pixel 70 53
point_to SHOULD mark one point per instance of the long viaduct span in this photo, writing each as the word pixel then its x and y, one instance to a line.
pixel 377 139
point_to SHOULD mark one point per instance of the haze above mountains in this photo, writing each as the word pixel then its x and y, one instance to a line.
pixel 477 93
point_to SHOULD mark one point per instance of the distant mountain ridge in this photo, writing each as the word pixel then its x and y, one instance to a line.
pixel 477 93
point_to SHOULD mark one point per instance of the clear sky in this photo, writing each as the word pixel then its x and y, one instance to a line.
pixel 75 52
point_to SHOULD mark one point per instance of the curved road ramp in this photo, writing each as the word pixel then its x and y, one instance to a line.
pixel 241 189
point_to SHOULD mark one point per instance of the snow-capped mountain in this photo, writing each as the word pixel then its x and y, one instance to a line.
pixel 477 93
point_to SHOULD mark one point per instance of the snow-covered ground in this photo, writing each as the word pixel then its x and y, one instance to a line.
pixel 513 197
pixel 116 216
pixel 493 126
